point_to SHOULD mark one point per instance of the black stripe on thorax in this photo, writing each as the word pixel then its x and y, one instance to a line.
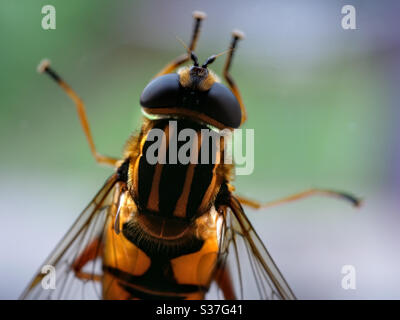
pixel 173 175
pixel 146 172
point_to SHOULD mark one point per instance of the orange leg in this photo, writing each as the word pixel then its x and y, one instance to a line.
pixel 224 281
pixel 91 252
pixel 301 195
pixel 80 107
pixel 236 36
pixel 170 67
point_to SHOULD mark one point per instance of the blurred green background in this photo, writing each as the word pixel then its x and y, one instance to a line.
pixel 323 102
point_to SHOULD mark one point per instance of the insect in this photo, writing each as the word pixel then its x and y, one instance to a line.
pixel 164 230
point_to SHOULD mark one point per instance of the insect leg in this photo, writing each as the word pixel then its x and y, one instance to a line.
pixel 91 252
pixel 170 67
pixel 301 195
pixel 224 281
pixel 236 36
pixel 80 107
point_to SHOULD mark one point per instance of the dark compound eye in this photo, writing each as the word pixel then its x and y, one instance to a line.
pixel 218 103
pixel 161 92
pixel 222 106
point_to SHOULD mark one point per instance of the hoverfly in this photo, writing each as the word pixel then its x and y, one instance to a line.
pixel 168 231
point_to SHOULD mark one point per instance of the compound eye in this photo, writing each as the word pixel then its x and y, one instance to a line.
pixel 162 92
pixel 223 106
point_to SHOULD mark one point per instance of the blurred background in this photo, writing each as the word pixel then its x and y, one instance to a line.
pixel 323 102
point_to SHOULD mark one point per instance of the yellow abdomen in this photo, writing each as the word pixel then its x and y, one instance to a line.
pixel 131 274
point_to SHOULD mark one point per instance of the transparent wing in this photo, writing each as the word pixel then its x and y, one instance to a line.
pixel 87 230
pixel 254 274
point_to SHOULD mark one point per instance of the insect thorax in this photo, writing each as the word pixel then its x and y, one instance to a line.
pixel 175 186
